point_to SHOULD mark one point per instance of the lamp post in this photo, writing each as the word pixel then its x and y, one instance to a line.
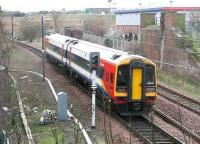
pixel 12 33
pixel 140 5
pixel 171 2
pixel 110 27
pixel 43 52
pixel 109 1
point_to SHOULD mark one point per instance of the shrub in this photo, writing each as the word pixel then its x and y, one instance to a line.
pixel 108 42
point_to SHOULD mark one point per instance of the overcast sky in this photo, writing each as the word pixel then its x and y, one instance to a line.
pixel 37 5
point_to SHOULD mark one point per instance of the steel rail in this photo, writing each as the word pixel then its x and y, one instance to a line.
pixel 174 96
pixel 30 48
pixel 152 133
pixel 177 124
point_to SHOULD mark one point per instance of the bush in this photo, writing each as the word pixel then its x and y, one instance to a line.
pixel 180 22
pixel 108 42
pixel 29 29
pixel 95 25
pixel 130 36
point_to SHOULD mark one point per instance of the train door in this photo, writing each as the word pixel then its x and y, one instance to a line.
pixel 62 52
pixel 46 43
pixel 137 83
pixel 111 82
pixel 107 84
pixel 69 55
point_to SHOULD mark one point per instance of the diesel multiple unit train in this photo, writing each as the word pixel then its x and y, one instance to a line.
pixel 128 80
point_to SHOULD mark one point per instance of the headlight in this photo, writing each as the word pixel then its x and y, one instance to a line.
pixel 121 90
pixel 150 89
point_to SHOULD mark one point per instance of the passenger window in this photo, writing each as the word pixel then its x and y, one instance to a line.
pixel 101 72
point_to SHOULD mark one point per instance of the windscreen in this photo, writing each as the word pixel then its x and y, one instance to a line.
pixel 122 76
pixel 150 75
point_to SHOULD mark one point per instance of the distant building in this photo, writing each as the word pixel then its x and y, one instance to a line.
pixel 133 20
pixel 99 10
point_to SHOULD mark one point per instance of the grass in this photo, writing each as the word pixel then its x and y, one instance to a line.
pixel 182 83
pixel 43 133
pixel 196 48
pixel 33 94
pixel 51 140
pixel 37 43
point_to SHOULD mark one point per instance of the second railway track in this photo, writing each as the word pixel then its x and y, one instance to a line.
pixel 177 124
pixel 150 132
pixel 176 97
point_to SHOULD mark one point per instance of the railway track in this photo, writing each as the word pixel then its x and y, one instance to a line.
pixel 176 124
pixel 147 131
pixel 150 132
pixel 30 48
pixel 141 126
pixel 183 100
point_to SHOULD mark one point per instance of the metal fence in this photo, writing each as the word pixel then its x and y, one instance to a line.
pixel 118 43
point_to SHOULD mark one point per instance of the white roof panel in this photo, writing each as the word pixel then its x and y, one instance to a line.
pixel 83 48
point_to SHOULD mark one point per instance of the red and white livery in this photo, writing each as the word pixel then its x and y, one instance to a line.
pixel 128 80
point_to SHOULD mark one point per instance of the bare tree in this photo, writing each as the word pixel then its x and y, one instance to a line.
pixel 5 45
pixel 96 26
pixel 56 19
pixel 6 93
pixel 29 29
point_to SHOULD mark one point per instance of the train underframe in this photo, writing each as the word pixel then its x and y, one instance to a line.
pixel 133 109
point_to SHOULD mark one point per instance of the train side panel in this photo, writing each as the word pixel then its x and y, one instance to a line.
pixel 109 77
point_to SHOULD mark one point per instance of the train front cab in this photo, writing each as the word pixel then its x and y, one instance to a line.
pixel 135 87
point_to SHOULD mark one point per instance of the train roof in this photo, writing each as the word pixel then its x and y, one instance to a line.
pixel 60 38
pixel 109 54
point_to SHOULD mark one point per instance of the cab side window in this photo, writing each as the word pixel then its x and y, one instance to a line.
pixel 100 72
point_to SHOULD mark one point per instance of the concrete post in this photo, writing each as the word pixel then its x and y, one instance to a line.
pixel 94 87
